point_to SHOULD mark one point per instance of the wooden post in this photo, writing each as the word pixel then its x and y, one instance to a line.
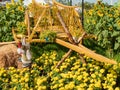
pixel 71 39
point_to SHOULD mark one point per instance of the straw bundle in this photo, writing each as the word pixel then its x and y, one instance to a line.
pixel 8 56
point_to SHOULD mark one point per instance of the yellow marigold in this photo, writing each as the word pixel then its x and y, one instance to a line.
pixel 117 88
pixel 62 88
pixel 55 78
pixel 113 83
pixel 71 85
pixel 93 75
pixel 79 77
pixel 61 80
pixel 15 88
pixel 102 70
pixel 90 88
pixel 98 84
pixel 85 80
pixel 61 84
pixel 110 88
pixel 55 86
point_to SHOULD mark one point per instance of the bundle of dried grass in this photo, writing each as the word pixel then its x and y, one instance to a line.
pixel 8 56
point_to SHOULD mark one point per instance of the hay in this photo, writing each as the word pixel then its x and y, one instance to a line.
pixel 8 56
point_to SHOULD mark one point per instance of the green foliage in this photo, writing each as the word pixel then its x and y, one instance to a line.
pixel 48 35
pixel 21 27
pixel 10 14
pixel 38 49
pixel 87 5
pixel 103 21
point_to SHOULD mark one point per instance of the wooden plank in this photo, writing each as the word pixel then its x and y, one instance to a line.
pixel 65 27
pixel 81 49
pixel 4 43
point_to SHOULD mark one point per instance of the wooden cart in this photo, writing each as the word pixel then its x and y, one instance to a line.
pixel 65 22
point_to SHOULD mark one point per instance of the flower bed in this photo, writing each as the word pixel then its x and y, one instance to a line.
pixel 71 75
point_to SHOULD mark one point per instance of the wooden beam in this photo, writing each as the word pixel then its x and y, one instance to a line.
pixel 81 49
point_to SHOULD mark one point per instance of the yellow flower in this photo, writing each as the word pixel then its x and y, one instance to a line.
pixel 91 69
pixel 79 88
pixel 61 80
pixel 31 89
pixel 55 86
pixel 100 75
pixel 15 88
pixel 12 1
pixel 27 79
pixel 110 15
pixel 93 75
pixel 90 88
pixel 90 12
pixel 43 87
pixel 55 78
pixel 110 88
pixel 7 5
pixel 102 70
pixel 113 83
pixel 20 8
pixel 61 84
pixel 85 80
pixel 91 85
pixel 6 80
pixel 84 65
pixel 62 88
pixel 98 84
pixel 85 74
pixel 117 88
pixel 110 28
pixel 14 80
pixel 88 21
pixel 104 85
pixel 115 67
pixel 100 13
pixel 13 11
pixel 39 82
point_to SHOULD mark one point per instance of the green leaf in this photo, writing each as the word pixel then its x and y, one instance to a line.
pixel 116 46
pixel 118 39
pixel 105 33
pixel 117 57
pixel 115 33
